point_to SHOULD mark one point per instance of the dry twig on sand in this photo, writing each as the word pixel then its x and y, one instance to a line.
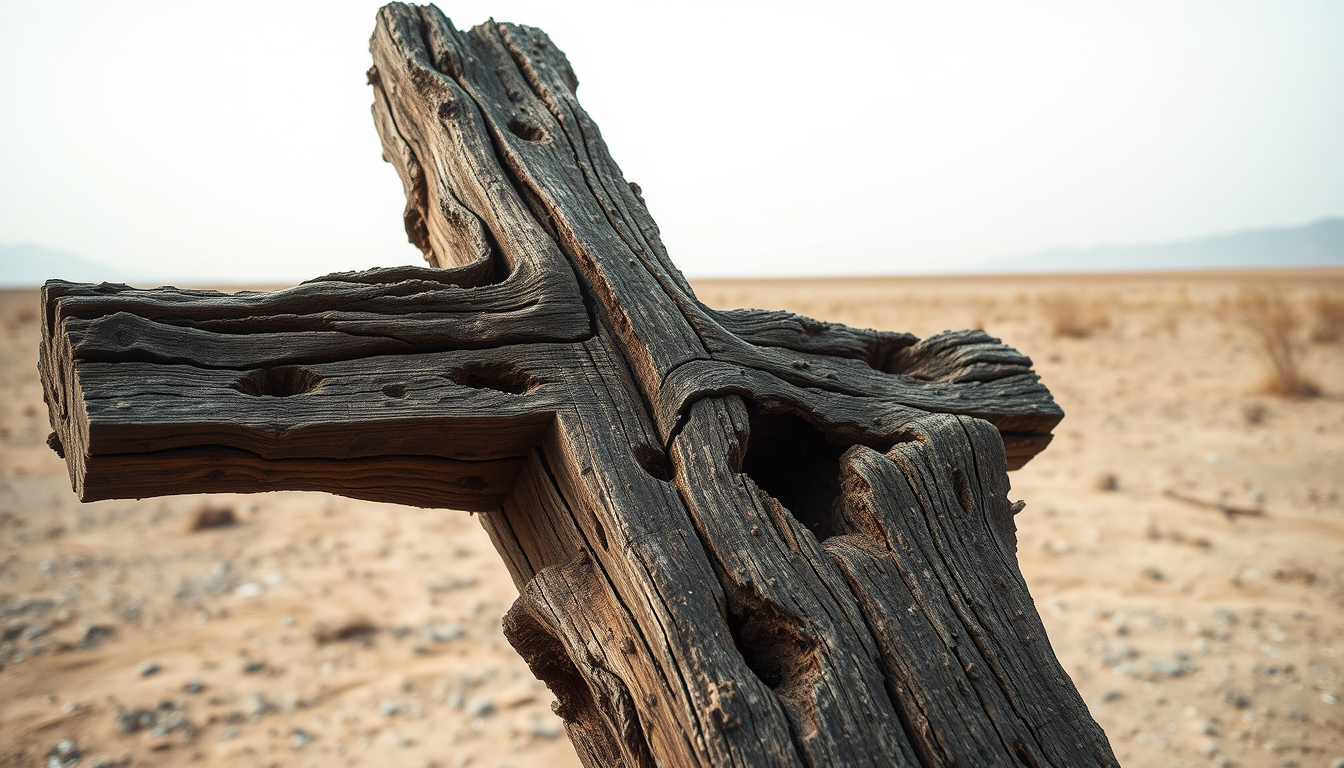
pixel 1227 509
pixel 1273 325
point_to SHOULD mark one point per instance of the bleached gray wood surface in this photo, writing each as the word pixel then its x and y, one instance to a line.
pixel 741 538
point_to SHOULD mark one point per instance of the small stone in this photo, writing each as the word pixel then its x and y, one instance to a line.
pixel 481 708
pixel 131 720
pixel 391 707
pixel 254 667
pixel 443 631
pixel 228 732
pixel 149 669
pixel 1208 749
pixel 1153 574
pixel 193 686
pixel 1206 728
pixel 36 631
pixel 249 589
pixel 548 728
pixel 1329 698
pixel 1111 695
pixel 299 738
pixel 1166 667
pixel 260 706
pixel 450 583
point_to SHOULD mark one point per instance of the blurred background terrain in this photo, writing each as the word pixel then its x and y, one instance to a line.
pixel 1183 538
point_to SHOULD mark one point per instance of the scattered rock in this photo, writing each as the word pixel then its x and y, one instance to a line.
pixel 249 589
pixel 1153 574
pixel 391 707
pixel 95 635
pixel 193 686
pixel 65 754
pixel 450 583
pixel 299 738
pixel 1112 694
pixel 1238 699
pixel 228 732
pixel 481 708
pixel 36 631
pixel 442 631
pixel 548 728
pixel 260 706
pixel 149 669
pixel 137 719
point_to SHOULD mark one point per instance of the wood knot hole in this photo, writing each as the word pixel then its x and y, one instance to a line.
pixel 654 461
pixel 285 381
pixel 526 129
pixel 394 390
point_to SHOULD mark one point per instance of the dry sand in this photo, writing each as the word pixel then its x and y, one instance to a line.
pixel 320 631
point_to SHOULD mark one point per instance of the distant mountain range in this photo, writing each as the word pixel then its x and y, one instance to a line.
pixel 31 265
pixel 1320 244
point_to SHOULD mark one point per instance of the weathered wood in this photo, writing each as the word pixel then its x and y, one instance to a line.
pixel 741 538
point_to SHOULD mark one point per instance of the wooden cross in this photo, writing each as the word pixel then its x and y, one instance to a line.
pixel 742 538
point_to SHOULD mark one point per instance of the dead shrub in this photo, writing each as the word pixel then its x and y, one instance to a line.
pixel 358 629
pixel 208 517
pixel 1272 325
pixel 1069 315
pixel 1327 312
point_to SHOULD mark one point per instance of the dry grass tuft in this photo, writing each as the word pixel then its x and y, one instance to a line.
pixel 1068 315
pixel 358 629
pixel 208 517
pixel 1272 325
pixel 1327 317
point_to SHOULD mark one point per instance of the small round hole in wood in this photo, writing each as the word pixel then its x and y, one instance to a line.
pixel 526 129
pixel 285 381
pixel 394 390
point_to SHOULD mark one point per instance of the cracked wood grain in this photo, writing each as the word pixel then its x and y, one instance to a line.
pixel 741 537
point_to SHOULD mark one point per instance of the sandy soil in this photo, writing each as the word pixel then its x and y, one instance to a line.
pixel 320 631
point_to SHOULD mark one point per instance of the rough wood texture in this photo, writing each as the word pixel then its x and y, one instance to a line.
pixel 741 538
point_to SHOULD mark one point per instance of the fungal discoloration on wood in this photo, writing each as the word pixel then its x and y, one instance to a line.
pixel 740 537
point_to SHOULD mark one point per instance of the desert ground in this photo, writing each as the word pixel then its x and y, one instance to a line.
pixel 1183 537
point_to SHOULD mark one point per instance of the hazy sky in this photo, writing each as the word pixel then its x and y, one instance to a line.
pixel 233 140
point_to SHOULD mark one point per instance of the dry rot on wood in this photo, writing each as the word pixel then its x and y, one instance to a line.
pixel 741 538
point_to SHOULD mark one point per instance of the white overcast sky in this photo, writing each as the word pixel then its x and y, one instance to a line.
pixel 232 141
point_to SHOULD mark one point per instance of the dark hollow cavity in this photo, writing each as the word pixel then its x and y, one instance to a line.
pixel 500 377
pixel 793 462
pixel 284 381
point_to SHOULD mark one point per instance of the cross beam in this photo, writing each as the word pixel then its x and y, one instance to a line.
pixel 741 538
